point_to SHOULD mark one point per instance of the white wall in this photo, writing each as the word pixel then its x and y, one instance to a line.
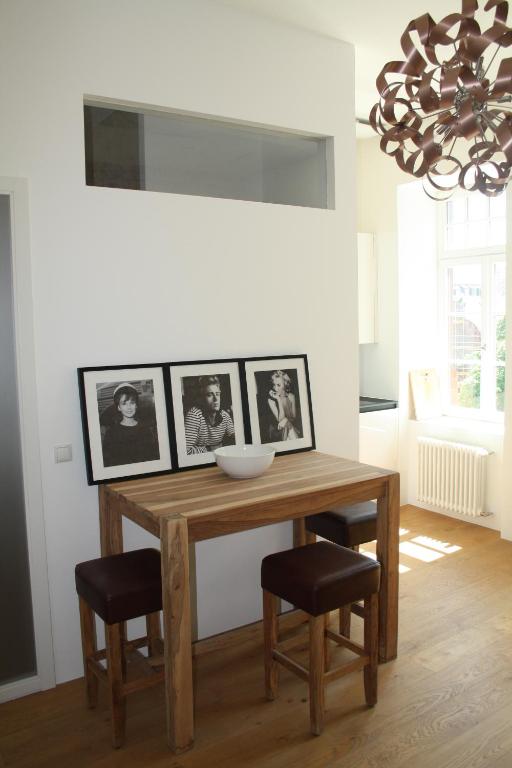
pixel 122 276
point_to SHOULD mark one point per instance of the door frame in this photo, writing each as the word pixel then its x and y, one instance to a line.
pixel 17 190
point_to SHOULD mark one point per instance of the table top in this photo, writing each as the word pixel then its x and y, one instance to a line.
pixel 214 504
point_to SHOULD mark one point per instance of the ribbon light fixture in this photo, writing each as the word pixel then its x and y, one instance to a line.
pixel 445 112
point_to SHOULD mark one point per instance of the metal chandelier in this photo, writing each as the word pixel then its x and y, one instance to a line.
pixel 445 112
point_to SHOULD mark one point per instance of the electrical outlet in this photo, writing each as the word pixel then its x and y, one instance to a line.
pixel 63 453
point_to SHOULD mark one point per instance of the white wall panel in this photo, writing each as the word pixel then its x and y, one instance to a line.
pixel 123 276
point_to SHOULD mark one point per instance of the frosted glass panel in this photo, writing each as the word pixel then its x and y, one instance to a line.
pixel 186 155
pixel 17 652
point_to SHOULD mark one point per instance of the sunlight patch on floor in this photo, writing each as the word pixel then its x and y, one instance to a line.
pixel 423 548
pixel 440 546
pixel 401 568
pixel 418 552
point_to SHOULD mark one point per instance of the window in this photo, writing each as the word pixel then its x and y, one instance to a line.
pixel 132 148
pixel 472 312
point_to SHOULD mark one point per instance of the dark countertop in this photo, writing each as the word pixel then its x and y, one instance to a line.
pixel 367 404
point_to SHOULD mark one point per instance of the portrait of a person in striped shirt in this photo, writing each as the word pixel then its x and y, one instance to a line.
pixel 207 424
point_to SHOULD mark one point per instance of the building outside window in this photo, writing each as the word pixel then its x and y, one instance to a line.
pixel 472 305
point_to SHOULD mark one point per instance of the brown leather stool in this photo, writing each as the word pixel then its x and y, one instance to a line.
pixel 319 578
pixel 347 526
pixel 119 588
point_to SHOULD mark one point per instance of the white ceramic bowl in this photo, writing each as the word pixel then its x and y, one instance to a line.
pixel 243 461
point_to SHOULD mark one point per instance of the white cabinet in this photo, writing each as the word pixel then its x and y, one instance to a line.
pixel 378 438
pixel 367 287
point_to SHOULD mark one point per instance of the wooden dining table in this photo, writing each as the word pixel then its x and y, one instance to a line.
pixel 191 506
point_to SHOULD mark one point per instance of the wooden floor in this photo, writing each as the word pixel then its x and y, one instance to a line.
pixel 446 702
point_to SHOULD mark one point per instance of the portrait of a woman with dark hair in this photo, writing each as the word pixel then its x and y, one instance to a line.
pixel 127 437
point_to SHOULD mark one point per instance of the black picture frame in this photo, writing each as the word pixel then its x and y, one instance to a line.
pixel 278 397
pixel 112 450
pixel 201 389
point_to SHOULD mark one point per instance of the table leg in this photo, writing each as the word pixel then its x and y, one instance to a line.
pixel 177 633
pixel 299 532
pixel 111 523
pixel 388 521
pixel 193 590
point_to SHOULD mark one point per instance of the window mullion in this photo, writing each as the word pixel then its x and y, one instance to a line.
pixel 444 325
pixel 486 388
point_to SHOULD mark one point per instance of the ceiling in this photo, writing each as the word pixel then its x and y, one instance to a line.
pixel 374 29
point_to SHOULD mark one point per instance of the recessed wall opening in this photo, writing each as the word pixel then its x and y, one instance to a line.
pixel 143 149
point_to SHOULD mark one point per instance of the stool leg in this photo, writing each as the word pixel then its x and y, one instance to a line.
pixel 316 673
pixel 346 610
pixel 345 617
pixel 327 647
pixel 88 631
pixel 153 632
pixel 113 635
pixel 371 646
pixel 310 537
pixel 270 642
pixel 122 640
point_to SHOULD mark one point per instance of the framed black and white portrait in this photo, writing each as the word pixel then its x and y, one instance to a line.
pixel 124 419
pixel 207 407
pixel 279 402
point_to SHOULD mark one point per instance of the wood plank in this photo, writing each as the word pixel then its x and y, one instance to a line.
pixel 231 518
pixel 346 669
pixel 136 686
pixel 201 485
pixel 316 675
pixel 388 516
pixel 89 649
pixel 291 665
pixel 269 644
pixel 346 643
pixel 371 645
pixel 177 633
pixel 111 528
pixel 216 504
pixel 113 635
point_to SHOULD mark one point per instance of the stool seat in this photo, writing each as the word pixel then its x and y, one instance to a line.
pixel 121 587
pixel 348 526
pixel 320 577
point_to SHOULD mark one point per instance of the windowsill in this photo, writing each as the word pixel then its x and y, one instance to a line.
pixel 477 426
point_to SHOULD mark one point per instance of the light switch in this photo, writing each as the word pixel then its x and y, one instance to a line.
pixel 63 453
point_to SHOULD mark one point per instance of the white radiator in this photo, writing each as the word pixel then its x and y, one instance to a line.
pixel 452 476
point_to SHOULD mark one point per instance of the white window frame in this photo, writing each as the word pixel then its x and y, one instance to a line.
pixel 486 256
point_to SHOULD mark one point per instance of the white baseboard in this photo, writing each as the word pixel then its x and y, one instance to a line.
pixel 485 521
pixel 19 688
